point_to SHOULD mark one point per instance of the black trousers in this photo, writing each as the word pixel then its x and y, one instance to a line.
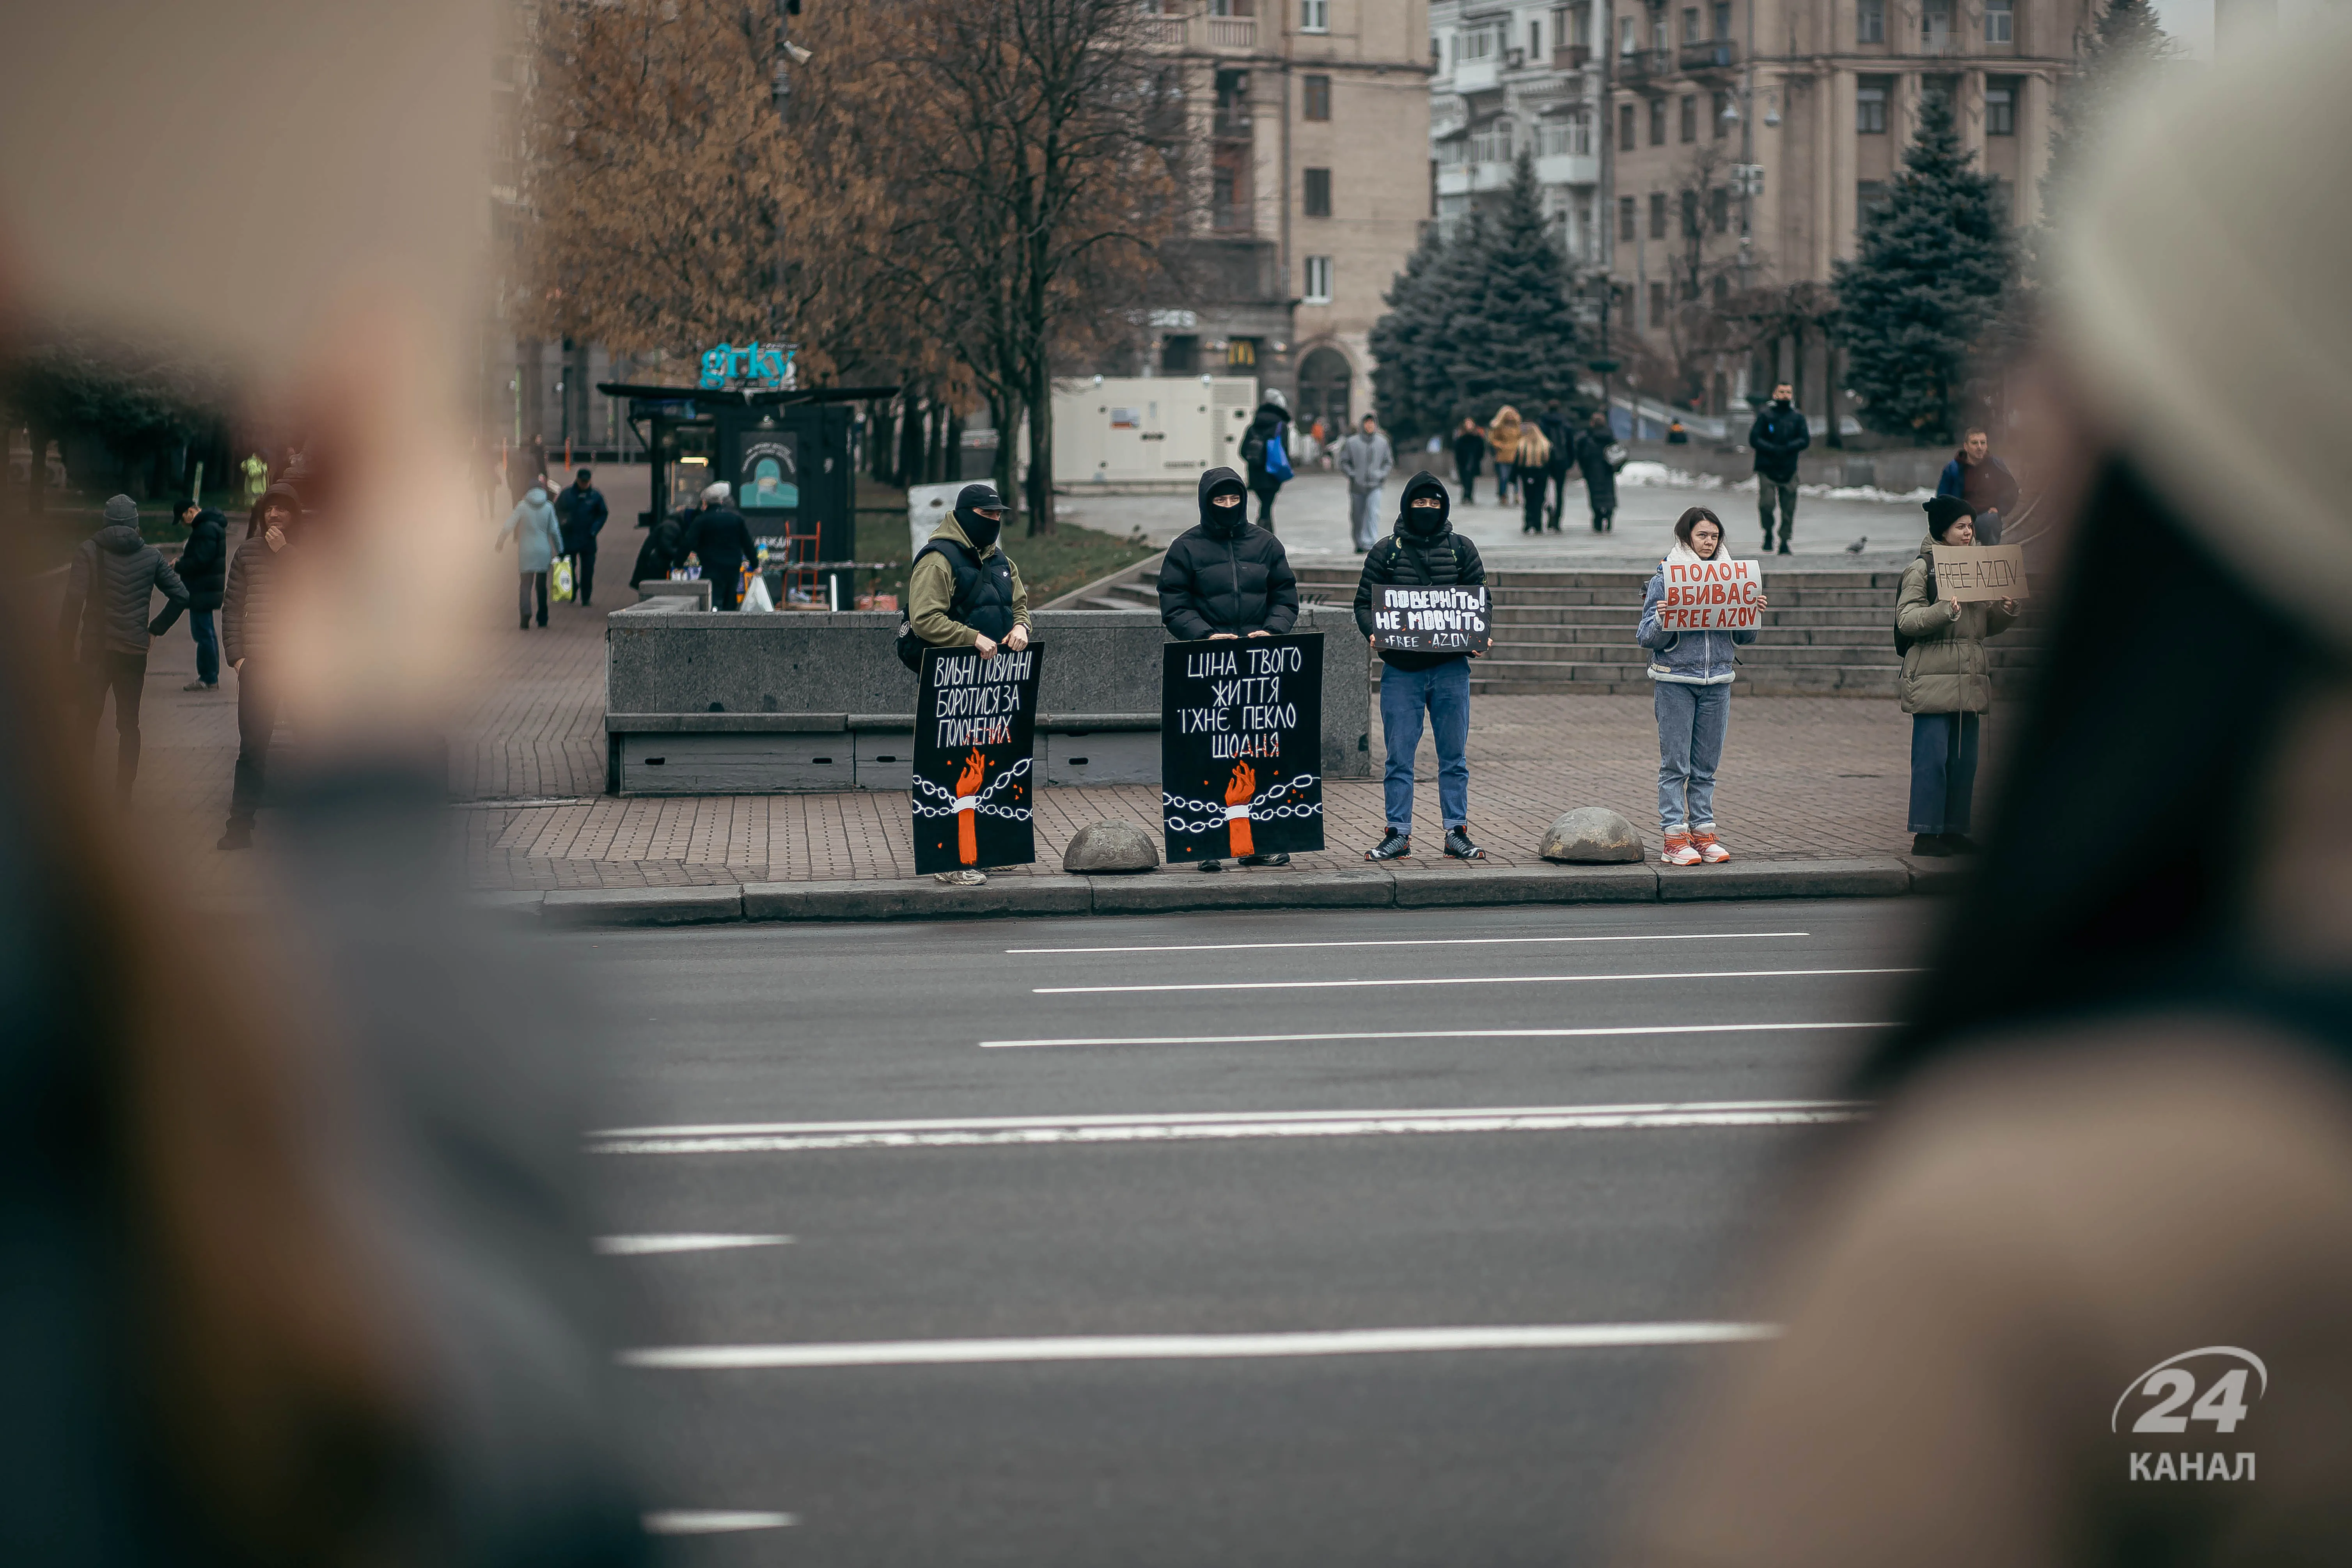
pixel 726 580
pixel 1531 502
pixel 1558 497
pixel 1265 495
pixel 522 597
pixel 583 570
pixel 125 676
pixel 256 720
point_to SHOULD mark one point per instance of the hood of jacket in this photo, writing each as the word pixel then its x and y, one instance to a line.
pixel 1224 521
pixel 534 498
pixel 119 538
pixel 1422 484
pixel 1268 415
pixel 285 498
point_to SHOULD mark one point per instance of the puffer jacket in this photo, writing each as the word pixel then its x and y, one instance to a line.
pixel 1222 576
pixel 204 560
pixel 249 610
pixel 112 583
pixel 1946 670
pixel 1692 659
pixel 537 534
pixel 1443 559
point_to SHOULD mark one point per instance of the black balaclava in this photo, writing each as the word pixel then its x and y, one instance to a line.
pixel 1224 521
pixel 1942 513
pixel 1422 524
pixel 980 531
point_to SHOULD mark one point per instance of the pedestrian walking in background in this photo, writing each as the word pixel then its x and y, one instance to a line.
pixel 255 470
pixel 1469 456
pixel 1982 480
pixel 964 591
pixel 1225 578
pixel 1562 437
pixel 1503 440
pixel 104 626
pixel 251 639
pixel 1599 458
pixel 1692 674
pixel 1365 458
pixel 582 512
pixel 537 534
pixel 1779 434
pixel 720 538
pixel 663 551
pixel 1531 461
pixel 1946 685
pixel 1425 551
pixel 203 568
pixel 1266 456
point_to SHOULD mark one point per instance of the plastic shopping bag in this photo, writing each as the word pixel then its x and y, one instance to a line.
pixel 755 593
pixel 558 580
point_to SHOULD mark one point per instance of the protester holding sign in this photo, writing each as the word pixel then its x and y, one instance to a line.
pixel 1691 666
pixel 1947 684
pixel 964 592
pixel 1226 578
pixel 1425 551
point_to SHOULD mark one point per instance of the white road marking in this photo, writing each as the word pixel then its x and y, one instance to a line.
pixel 789 1137
pixel 713 1521
pixel 1456 980
pixel 1194 1347
pixel 1419 1035
pixel 1427 941
pixel 639 1245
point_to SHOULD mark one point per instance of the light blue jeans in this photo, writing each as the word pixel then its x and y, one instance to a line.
pixel 1444 691
pixel 1691 724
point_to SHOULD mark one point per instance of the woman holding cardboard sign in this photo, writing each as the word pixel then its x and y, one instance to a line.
pixel 1692 669
pixel 1946 685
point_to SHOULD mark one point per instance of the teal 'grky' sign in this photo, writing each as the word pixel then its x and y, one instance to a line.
pixel 752 364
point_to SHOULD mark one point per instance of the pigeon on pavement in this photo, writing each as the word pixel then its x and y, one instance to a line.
pixel 1855 548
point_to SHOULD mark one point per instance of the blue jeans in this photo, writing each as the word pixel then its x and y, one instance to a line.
pixel 200 627
pixel 1691 723
pixel 1943 771
pixel 1444 691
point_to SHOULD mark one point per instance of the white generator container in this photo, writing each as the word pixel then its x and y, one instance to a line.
pixel 1130 434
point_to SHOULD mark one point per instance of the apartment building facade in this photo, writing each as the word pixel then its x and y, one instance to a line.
pixel 1314 116
pixel 1513 77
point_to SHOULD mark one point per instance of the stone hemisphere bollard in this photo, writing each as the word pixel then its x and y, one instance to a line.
pixel 1110 846
pixel 1591 835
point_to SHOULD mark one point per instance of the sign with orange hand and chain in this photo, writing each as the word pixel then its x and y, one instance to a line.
pixel 975 743
pixel 1241 747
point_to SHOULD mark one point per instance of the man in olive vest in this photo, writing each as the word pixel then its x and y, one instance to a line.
pixel 965 592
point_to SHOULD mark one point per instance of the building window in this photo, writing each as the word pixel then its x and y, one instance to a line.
pixel 1473 44
pixel 1314 16
pixel 1492 145
pixel 1318 281
pixel 1870 106
pixel 1625 139
pixel 1869 195
pixel 1626 221
pixel 1316 98
pixel 1690 25
pixel 1690 213
pixel 1718 208
pixel 1627 39
pixel 1658 305
pixel 1318 192
pixel 2000 105
pixel 1722 18
pixel 1535 43
pixel 1936 26
pixel 1870 21
pixel 2000 21
pixel 1657 123
pixel 1717 112
pixel 1657 214
pixel 1690 117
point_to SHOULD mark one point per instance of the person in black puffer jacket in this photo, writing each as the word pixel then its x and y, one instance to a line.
pixel 1227 578
pixel 204 568
pixel 1425 551
pixel 111 584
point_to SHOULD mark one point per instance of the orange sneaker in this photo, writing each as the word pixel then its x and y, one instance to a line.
pixel 1710 848
pixel 1678 850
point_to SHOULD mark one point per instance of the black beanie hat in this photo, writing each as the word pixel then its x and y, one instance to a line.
pixel 1945 511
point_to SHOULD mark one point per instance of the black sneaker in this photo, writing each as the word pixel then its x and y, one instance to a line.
pixel 1280 858
pixel 1459 845
pixel 1211 865
pixel 1929 844
pixel 1395 846
pixel 1784 549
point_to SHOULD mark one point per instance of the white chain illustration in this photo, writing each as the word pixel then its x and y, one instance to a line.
pixel 983 802
pixel 1219 813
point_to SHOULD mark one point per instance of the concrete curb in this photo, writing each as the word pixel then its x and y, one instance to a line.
pixel 1370 887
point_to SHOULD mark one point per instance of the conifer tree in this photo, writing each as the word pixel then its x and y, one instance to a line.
pixel 1934 266
pixel 1514 340
pixel 1399 337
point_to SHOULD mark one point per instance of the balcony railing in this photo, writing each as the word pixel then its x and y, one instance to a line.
pixel 1717 54
pixel 1569 56
pixel 1164 32
pixel 1642 65
pixel 1230 125
pixel 1232 32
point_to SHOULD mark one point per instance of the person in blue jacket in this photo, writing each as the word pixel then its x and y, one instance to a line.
pixel 1982 480
pixel 1692 675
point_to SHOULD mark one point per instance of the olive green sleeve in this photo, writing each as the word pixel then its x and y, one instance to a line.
pixel 931 589
pixel 1020 597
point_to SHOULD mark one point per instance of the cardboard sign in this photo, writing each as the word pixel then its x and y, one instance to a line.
pixel 1712 596
pixel 975 745
pixel 1241 747
pixel 1432 620
pixel 1973 574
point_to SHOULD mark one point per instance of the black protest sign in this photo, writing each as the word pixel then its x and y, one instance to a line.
pixel 1432 620
pixel 1240 746
pixel 975 734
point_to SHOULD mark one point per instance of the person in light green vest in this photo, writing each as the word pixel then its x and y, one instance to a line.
pixel 257 477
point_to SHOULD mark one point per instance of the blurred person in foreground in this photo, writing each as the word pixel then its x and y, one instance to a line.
pixel 2116 1126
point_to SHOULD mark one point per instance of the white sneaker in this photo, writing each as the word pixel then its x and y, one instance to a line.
pixel 959 878
pixel 1677 850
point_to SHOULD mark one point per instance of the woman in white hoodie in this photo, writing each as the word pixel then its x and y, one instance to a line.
pixel 1693 674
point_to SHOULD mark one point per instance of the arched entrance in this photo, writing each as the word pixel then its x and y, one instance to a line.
pixel 1323 381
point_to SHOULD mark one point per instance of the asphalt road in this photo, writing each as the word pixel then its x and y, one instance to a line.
pixel 1071 1221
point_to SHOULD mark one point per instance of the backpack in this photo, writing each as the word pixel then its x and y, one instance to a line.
pixel 1253 447
pixel 1901 643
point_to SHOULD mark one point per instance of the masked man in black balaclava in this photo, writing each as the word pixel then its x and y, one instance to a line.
pixel 1227 578
pixel 965 592
pixel 1425 551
